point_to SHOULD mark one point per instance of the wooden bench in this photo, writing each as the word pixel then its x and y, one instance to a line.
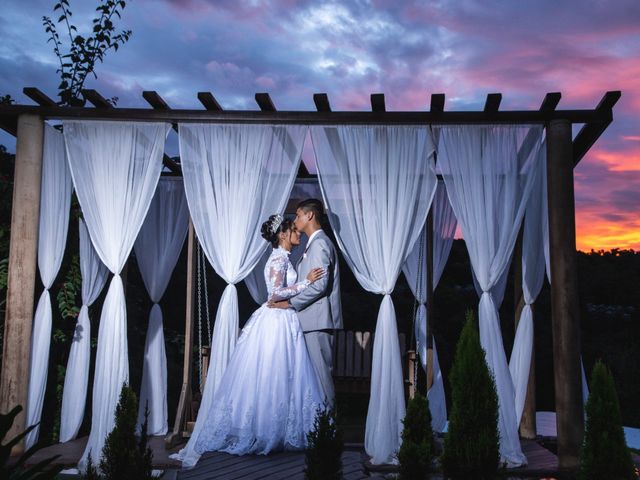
pixel 352 354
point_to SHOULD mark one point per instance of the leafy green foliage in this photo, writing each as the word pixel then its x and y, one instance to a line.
pixel 417 440
pixel 42 470
pixel 604 452
pixel 323 457
pixel 471 446
pixel 69 293
pixel 124 456
pixel 78 59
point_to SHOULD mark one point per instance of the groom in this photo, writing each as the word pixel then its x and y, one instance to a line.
pixel 318 306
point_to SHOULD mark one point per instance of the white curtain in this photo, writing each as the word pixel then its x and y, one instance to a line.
pixel 444 228
pixel 157 249
pixel 489 172
pixel 94 276
pixel 55 199
pixel 378 183
pixel 255 280
pixel 235 176
pixel 533 267
pixel 115 168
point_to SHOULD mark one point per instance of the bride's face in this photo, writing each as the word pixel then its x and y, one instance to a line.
pixel 295 237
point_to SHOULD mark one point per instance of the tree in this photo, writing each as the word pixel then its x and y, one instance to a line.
pixel 324 452
pixel 125 456
pixel 471 446
pixel 604 452
pixel 417 439
pixel 78 59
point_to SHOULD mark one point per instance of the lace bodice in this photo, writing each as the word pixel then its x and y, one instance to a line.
pixel 280 276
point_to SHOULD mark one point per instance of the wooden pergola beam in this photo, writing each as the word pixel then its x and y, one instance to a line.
pixel 437 103
pixel 155 100
pixel 377 103
pixel 265 103
pixel 38 96
pixel 550 101
pixel 305 117
pixel 492 103
pixel 209 102
pixel 96 99
pixel 322 102
pixel 591 131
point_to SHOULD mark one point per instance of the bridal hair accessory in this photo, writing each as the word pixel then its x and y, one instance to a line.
pixel 275 223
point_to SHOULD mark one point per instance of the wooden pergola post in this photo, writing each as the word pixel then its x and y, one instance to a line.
pixel 564 294
pixel 179 424
pixel 23 249
pixel 430 309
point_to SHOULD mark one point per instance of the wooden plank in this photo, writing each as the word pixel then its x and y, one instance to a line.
pixel 340 360
pixel 322 102
pixel 591 131
pixel 437 103
pixel 357 354
pixel 185 392
pixel 39 97
pixel 550 101
pixel 21 278
pixel 209 101
pixel 264 102
pixel 492 104
pixel 155 100
pixel 565 311
pixel 367 338
pixel 96 99
pixel 349 354
pixel 306 117
pixel 377 102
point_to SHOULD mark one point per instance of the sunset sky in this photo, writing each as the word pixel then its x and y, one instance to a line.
pixel 407 50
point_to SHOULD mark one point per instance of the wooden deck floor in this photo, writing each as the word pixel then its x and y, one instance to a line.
pixel 223 466
pixel 287 465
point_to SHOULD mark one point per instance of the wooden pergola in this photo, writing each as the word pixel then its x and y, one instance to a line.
pixel 26 123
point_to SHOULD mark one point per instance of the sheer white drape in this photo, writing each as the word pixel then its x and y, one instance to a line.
pixel 255 280
pixel 444 228
pixel 115 168
pixel 235 176
pixel 157 249
pixel 533 267
pixel 378 183
pixel 55 199
pixel 94 276
pixel 489 173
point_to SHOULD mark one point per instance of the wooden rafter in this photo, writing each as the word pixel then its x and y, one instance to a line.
pixel 492 104
pixel 591 131
pixel 38 96
pixel 209 102
pixel 437 103
pixel 377 102
pixel 322 102
pixel 96 99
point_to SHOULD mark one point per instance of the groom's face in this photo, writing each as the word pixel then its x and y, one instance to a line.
pixel 301 220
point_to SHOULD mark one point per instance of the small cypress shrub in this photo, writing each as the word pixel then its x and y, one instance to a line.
pixel 124 456
pixel 417 438
pixel 323 457
pixel 604 452
pixel 471 446
pixel 90 473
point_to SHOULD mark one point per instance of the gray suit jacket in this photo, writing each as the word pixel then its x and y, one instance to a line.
pixel 318 305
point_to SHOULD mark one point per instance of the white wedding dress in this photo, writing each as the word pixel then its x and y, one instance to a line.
pixel 269 394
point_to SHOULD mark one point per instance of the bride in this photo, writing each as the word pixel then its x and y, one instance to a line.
pixel 269 394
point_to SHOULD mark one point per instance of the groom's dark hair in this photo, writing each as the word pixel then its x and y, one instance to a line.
pixel 313 205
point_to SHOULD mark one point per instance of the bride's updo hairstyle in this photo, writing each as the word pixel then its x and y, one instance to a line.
pixel 272 227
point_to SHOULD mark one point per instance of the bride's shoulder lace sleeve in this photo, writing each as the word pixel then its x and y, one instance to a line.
pixel 277 280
